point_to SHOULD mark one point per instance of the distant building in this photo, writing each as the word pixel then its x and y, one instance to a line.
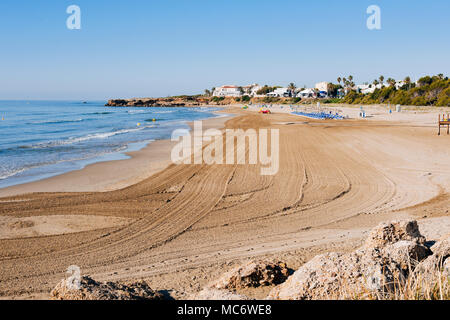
pixel 366 88
pixel 227 91
pixel 252 89
pixel 323 94
pixel 280 92
pixel 370 88
pixel 237 91
pixel 307 93
pixel 322 86
pixel 399 84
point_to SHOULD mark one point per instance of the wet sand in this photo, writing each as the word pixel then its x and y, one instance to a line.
pixel 190 223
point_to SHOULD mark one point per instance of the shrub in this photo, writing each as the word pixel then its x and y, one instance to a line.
pixel 401 97
pixel 444 98
pixel 246 99
pixel 332 100
pixel 218 99
pixel 419 101
pixel 351 97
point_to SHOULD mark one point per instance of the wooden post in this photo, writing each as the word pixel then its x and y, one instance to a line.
pixel 439 125
pixel 448 125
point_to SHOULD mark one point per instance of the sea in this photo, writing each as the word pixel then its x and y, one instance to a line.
pixel 41 139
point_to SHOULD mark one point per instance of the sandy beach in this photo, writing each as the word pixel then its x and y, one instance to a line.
pixel 180 226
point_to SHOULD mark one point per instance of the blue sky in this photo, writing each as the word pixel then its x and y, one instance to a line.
pixel 133 48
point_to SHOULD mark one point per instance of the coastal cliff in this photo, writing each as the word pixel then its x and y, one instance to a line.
pixel 195 101
pixel 184 101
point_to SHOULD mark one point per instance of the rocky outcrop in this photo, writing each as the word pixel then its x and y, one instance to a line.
pixel 394 256
pixel 184 101
pixel 439 260
pixel 391 252
pixel 253 274
pixel 390 232
pixel 89 289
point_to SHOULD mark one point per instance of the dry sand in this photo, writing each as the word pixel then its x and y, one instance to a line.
pixel 187 224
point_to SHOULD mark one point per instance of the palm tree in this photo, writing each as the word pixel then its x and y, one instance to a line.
pixel 330 88
pixel 375 82
pixel 292 86
pixel 381 79
pixel 391 82
pixel 339 80
pixel 350 78
pixel 207 93
pixel 344 80
pixel 407 82
pixel 441 76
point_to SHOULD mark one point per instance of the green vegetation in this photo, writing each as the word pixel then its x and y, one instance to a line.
pixel 266 89
pixel 332 100
pixel 430 91
pixel 246 98
pixel 217 99
pixel 293 100
pixel 271 100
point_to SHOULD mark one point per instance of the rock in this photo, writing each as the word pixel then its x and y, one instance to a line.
pixel 406 254
pixel 90 289
pixel 253 274
pixel 392 232
pixel 182 101
pixel 391 252
pixel 312 280
pixel 446 267
pixel 439 260
pixel 217 294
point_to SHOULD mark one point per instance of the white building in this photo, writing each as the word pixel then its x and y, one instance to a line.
pixel 370 88
pixel 237 91
pixel 227 91
pixel 307 93
pixel 322 86
pixel 366 88
pixel 399 84
pixel 252 89
pixel 280 92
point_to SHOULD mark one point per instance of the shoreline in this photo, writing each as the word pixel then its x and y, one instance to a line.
pixel 102 176
pixel 155 156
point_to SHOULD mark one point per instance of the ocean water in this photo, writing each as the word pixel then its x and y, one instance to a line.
pixel 40 139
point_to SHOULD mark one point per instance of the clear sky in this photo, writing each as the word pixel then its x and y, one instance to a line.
pixel 133 48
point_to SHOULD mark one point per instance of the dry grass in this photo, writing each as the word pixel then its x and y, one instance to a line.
pixel 418 285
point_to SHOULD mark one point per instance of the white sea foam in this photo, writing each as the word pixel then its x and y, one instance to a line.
pixel 9 174
pixel 14 172
pixel 72 140
pixel 56 121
